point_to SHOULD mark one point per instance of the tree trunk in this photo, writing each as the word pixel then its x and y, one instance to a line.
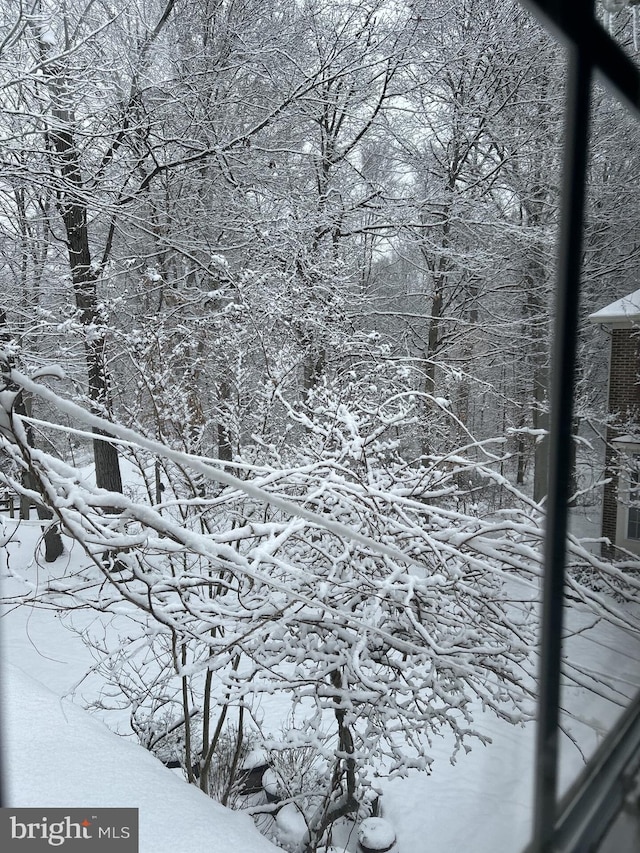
pixel 73 211
pixel 538 320
pixel 52 539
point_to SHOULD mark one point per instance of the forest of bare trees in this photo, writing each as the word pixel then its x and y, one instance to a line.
pixel 309 185
pixel 301 257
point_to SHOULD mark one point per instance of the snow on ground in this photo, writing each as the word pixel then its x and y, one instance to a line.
pixel 58 754
pixel 480 804
pixel 33 638
pixel 54 753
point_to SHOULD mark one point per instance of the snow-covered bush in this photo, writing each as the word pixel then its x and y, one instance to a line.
pixel 347 579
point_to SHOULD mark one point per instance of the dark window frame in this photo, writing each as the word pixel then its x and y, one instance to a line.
pixel 632 521
pixel 583 816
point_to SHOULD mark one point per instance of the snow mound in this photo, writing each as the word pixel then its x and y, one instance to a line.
pixel 375 833
pixel 291 824
pixel 57 754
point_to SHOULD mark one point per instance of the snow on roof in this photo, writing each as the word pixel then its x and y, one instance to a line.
pixel 626 439
pixel 625 310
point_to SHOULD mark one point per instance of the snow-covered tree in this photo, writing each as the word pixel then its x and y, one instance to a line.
pixel 296 262
pixel 380 594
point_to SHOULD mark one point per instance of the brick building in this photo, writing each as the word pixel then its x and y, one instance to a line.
pixel 621 502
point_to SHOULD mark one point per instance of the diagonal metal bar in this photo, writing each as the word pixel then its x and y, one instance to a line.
pixel 592 804
pixel 576 23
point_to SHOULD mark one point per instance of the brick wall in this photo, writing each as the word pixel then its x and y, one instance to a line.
pixel 624 404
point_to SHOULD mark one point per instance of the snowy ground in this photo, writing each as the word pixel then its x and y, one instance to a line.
pixel 55 753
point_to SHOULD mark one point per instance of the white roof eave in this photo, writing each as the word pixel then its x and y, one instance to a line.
pixel 624 313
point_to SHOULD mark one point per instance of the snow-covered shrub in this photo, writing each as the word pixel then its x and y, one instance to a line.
pixel 346 579
pixel 297 772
